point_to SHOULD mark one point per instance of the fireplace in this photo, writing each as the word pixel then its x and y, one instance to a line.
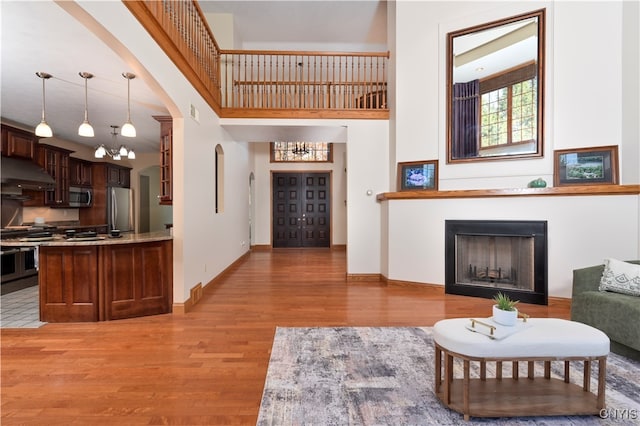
pixel 484 257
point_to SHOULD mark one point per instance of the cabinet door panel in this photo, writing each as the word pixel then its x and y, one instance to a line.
pixel 138 280
pixel 20 144
pixel 69 277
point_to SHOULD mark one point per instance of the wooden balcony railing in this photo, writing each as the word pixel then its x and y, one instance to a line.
pixel 181 30
pixel 249 83
pixel 303 80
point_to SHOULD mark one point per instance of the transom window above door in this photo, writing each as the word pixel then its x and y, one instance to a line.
pixel 301 152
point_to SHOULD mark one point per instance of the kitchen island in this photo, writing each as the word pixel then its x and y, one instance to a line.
pixel 103 278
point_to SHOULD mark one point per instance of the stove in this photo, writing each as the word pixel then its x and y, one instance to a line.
pixel 38 236
pixel 25 231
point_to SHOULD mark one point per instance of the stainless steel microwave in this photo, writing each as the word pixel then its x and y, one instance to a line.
pixel 80 196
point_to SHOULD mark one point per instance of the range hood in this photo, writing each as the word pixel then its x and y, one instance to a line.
pixel 23 174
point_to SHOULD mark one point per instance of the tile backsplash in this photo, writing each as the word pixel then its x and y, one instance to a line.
pixel 29 214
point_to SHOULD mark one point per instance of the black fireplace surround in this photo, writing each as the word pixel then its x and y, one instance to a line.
pixel 522 274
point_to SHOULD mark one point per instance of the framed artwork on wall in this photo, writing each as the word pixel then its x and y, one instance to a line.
pixel 418 176
pixel 586 166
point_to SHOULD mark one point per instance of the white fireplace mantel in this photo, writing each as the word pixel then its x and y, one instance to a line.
pixel 586 224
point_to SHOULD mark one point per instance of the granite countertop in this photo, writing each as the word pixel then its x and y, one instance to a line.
pixel 101 239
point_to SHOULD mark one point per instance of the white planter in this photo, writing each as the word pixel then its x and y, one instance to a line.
pixel 507 318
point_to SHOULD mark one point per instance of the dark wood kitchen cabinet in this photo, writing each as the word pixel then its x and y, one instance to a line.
pixel 97 213
pixel 102 282
pixel 103 176
pixel 139 278
pixel 18 143
pixel 166 158
pixel 55 161
pixel 118 176
pixel 80 172
pixel 68 281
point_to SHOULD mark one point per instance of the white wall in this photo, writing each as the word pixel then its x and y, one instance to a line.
pixel 630 172
pixel 224 29
pixel 589 45
pixel 205 243
pixel 367 170
pixel 367 147
pixel 582 231
pixel 263 167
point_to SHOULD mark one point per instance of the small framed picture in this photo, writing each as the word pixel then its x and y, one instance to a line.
pixel 418 176
pixel 586 166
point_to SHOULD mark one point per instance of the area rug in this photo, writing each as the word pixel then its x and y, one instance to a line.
pixel 384 376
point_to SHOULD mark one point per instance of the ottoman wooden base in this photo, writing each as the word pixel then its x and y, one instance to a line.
pixel 544 341
pixel 516 396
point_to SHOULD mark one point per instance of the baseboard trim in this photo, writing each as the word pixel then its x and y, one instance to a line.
pixel 198 290
pixel 432 288
pixel 179 308
pixel 352 278
pixel 266 247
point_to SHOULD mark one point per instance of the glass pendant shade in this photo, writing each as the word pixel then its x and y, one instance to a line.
pixel 128 129
pixel 123 151
pixel 132 155
pixel 85 128
pixel 43 129
pixel 100 152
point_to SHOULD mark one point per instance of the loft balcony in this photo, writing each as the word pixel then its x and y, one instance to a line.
pixel 266 84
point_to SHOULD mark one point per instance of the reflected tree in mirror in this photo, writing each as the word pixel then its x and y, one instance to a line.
pixel 495 81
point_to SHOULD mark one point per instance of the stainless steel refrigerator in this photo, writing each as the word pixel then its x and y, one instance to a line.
pixel 120 209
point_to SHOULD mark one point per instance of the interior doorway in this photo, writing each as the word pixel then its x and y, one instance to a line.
pixel 152 216
pixel 143 222
pixel 301 209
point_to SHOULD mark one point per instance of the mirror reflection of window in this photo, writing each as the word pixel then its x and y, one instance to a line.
pixel 495 75
pixel 508 112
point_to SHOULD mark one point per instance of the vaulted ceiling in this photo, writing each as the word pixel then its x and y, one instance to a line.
pixel 44 36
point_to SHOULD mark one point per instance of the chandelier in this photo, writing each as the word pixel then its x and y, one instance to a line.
pixel 300 148
pixel 117 153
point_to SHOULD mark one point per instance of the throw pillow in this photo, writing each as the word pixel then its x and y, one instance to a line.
pixel 620 277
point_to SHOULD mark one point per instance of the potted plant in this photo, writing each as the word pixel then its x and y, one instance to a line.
pixel 504 311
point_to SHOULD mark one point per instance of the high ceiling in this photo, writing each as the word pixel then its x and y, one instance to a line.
pixel 43 36
pixel 359 22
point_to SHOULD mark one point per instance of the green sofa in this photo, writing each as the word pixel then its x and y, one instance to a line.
pixel 617 315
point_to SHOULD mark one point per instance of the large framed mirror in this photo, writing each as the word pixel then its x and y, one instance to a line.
pixel 495 87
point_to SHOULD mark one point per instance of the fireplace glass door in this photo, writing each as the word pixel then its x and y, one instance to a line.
pixel 495 261
pixel 484 257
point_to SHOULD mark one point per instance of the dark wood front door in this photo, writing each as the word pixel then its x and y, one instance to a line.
pixel 301 210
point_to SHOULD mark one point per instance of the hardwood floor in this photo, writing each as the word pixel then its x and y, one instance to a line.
pixel 206 367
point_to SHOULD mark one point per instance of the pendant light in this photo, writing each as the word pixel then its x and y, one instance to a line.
pixel 127 128
pixel 85 128
pixel 43 130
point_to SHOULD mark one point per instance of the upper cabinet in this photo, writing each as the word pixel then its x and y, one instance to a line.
pixel 18 143
pixel 166 167
pixel 80 172
pixel 54 161
pixel 119 176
